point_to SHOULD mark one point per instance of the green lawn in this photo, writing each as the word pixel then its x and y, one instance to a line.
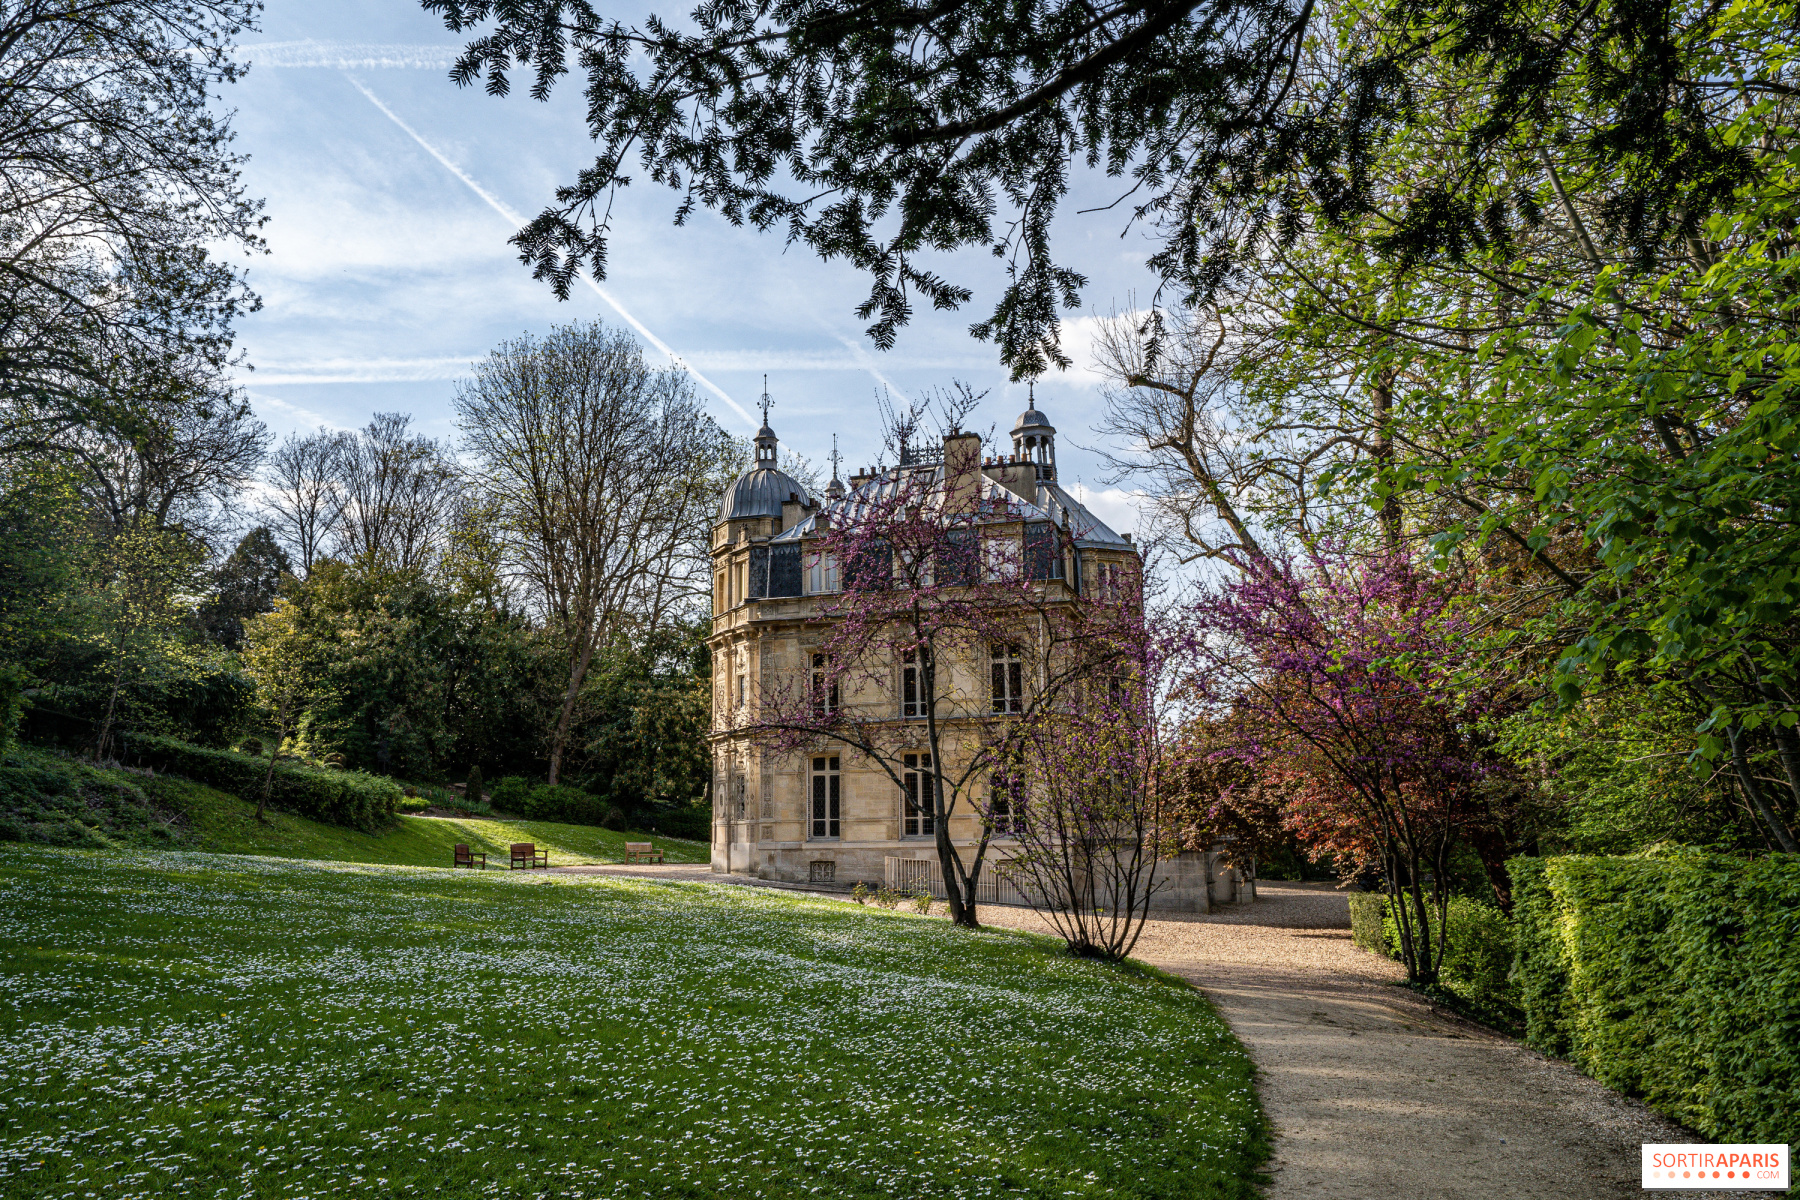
pixel 175 1024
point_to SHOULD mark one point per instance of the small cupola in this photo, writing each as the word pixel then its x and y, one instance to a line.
pixel 1034 438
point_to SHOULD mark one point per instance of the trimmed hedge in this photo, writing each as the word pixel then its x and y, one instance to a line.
pixel 1673 975
pixel 348 798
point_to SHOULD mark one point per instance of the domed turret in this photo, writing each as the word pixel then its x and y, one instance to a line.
pixel 760 491
pixel 1034 438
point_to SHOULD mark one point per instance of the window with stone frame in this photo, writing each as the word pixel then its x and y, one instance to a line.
pixel 1007 674
pixel 827 784
pixel 918 813
pixel 912 686
pixel 739 800
pixel 1006 803
pixel 824 686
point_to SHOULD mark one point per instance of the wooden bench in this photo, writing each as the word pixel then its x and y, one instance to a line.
pixel 465 859
pixel 642 852
pixel 527 855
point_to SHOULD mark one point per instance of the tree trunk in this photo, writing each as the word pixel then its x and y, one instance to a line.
pixel 1783 837
pixel 559 737
pixel 1382 394
pixel 281 714
pixel 960 904
pixel 112 701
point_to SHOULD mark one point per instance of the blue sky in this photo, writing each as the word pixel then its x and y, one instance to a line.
pixel 389 272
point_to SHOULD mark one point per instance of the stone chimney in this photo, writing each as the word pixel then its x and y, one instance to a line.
pixel 962 471
pixel 1016 474
pixel 792 512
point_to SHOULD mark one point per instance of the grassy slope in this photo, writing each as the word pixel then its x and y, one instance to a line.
pixel 50 798
pixel 182 1024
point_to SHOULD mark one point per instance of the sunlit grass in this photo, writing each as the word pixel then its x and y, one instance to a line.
pixel 220 821
pixel 202 1025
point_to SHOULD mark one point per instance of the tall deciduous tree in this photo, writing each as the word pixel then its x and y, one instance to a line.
pixel 1351 679
pixel 399 490
pixel 602 472
pixel 305 496
pixel 955 625
pixel 117 181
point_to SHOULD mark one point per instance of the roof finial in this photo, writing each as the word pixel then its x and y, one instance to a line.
pixel 836 458
pixel 766 402
pixel 1030 393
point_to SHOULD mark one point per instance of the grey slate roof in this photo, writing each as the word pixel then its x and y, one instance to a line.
pixel 1052 504
pixel 759 493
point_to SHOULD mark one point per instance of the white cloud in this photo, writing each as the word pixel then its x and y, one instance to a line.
pixel 351 56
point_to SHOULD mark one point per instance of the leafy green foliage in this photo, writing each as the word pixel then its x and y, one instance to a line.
pixel 244 585
pixel 1672 975
pixel 1478 952
pixel 348 798
pixel 49 798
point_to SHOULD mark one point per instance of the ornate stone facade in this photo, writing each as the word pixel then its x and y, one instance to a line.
pixel 824 816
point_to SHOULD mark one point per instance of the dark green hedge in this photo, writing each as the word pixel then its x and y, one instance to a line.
pixel 1672 975
pixel 348 798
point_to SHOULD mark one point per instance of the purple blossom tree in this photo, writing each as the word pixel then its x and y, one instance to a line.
pixel 1350 684
pixel 1089 810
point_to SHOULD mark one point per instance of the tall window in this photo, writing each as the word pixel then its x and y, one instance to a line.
pixel 912 685
pixel 824 688
pixel 743 690
pixel 821 574
pixel 825 795
pixel 738 805
pixel 1006 800
pixel 919 819
pixel 1008 673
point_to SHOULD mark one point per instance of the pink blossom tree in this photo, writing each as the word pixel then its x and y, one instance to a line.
pixel 962 615
pixel 1090 810
pixel 1350 683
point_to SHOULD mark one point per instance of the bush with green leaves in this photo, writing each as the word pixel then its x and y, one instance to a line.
pixel 510 793
pixel 48 797
pixel 1367 912
pixel 1478 951
pixel 1673 975
pixel 348 798
pixel 561 802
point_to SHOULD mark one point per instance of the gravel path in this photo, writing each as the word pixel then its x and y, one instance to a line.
pixel 1376 1094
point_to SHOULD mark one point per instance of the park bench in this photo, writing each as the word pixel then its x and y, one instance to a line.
pixel 527 855
pixel 465 859
pixel 642 852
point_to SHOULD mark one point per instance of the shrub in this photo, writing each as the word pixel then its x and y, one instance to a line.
pixel 860 893
pixel 349 798
pixel 510 793
pixel 561 802
pixel 51 799
pixel 473 789
pixel 1673 975
pixel 614 819
pixel 413 804
pixel 1478 952
pixel 1367 909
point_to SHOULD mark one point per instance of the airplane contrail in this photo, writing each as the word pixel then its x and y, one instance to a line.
pixel 516 220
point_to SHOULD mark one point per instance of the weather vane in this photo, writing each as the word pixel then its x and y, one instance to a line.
pixel 766 402
pixel 836 458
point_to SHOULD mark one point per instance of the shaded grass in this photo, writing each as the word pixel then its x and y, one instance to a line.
pixel 48 798
pixel 182 1024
